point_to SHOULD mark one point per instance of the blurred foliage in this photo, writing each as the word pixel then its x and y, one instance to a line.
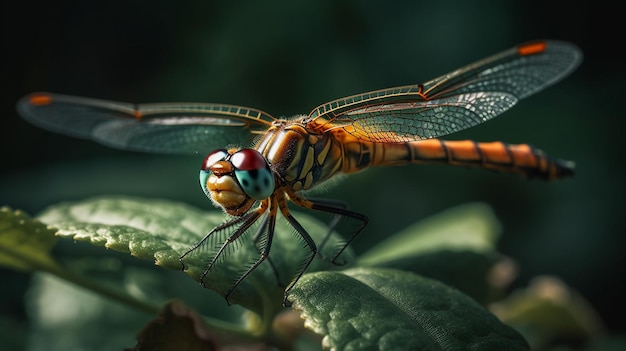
pixel 286 58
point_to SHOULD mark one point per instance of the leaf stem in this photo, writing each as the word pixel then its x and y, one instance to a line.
pixel 105 291
pixel 213 323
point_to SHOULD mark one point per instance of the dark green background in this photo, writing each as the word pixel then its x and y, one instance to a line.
pixel 287 57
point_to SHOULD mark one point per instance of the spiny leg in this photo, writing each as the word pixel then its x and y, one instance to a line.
pixel 363 219
pixel 256 238
pixel 341 211
pixel 307 240
pixel 249 219
pixel 267 226
pixel 333 222
pixel 217 229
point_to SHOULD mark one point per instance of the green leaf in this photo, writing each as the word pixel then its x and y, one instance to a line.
pixel 66 316
pixel 483 276
pixel 145 228
pixel 455 247
pixel 386 309
pixel 468 227
pixel 549 312
pixel 24 242
pixel 163 230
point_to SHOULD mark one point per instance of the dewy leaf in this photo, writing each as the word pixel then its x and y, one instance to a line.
pixel 162 230
pixel 467 227
pixel 386 309
pixel 24 242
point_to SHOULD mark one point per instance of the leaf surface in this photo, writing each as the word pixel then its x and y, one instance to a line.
pixel 162 230
pixel 456 247
pixel 387 309
pixel 25 243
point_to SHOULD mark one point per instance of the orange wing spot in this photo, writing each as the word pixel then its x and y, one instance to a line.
pixel 420 92
pixel 463 150
pixel 138 114
pixel 40 99
pixel 495 152
pixel 532 48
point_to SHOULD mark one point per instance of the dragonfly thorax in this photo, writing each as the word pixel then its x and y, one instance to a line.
pixel 300 155
pixel 235 179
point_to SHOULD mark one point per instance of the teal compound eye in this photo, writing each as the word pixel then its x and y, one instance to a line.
pixel 253 173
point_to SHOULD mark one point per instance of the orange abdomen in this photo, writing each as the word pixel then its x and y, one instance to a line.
pixel 522 159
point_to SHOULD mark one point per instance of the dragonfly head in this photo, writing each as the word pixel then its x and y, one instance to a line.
pixel 235 179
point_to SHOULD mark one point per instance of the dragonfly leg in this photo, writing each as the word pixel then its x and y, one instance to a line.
pixel 309 243
pixel 306 238
pixel 256 239
pixel 217 229
pixel 333 222
pixel 338 209
pixel 342 212
pixel 248 219
pixel 267 226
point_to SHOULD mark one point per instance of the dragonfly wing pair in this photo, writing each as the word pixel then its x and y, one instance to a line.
pixel 456 101
pixel 453 102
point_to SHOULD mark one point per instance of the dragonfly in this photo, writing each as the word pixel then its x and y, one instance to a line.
pixel 279 160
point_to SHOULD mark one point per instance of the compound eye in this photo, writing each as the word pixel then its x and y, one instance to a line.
pixel 213 157
pixel 253 173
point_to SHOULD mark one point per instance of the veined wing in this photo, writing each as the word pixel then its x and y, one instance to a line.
pixel 174 128
pixel 458 100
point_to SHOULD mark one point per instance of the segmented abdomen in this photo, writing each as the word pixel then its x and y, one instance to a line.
pixel 522 159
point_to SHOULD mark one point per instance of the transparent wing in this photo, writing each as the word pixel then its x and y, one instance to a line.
pixel 174 128
pixel 458 100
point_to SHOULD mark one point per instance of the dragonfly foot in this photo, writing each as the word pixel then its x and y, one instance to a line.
pixel 338 263
pixel 202 278
pixel 286 302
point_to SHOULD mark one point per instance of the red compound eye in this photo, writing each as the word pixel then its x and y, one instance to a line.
pixel 248 160
pixel 213 157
